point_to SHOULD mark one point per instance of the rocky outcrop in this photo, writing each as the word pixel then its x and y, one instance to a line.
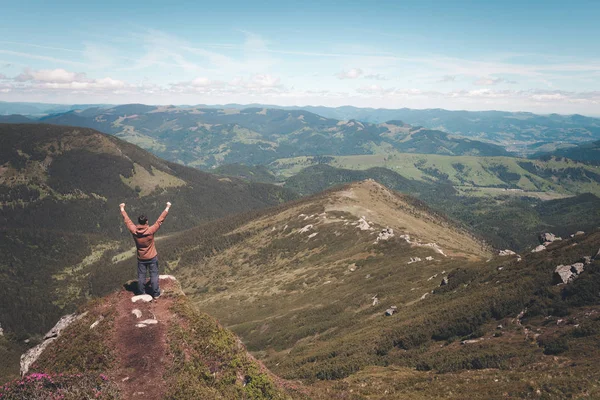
pixel 564 274
pixel 547 238
pixel 34 353
pixel 504 253
pixel 541 247
pixel 385 234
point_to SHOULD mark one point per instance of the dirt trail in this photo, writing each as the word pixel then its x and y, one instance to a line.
pixel 142 351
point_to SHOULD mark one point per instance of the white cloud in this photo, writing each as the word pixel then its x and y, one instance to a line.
pixel 353 73
pixel 50 75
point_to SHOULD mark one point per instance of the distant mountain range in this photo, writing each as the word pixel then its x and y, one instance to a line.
pixel 521 132
pixel 206 137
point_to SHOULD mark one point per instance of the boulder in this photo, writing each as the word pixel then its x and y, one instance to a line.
pixel 1 331
pixel 548 238
pixel 34 353
pixel 385 234
pixel 587 260
pixel 541 247
pixel 391 311
pixel 146 298
pixel 507 252
pixel 375 300
pixel 414 260
pixel 579 233
pixel 429 258
pixel 444 281
pixel 564 274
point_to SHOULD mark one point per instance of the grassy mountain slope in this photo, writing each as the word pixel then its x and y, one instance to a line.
pixel 298 283
pixel 504 221
pixel 207 137
pixel 474 176
pixel 59 193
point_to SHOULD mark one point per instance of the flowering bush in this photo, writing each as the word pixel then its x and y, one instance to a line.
pixel 42 386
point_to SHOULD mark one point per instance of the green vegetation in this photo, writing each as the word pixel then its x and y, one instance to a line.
pixel 60 386
pixel 256 173
pixel 210 362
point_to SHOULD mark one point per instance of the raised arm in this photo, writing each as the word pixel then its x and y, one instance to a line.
pixel 159 221
pixel 130 225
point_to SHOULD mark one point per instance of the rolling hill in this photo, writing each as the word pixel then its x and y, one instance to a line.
pixel 588 153
pixel 503 220
pixel 207 137
pixel 472 176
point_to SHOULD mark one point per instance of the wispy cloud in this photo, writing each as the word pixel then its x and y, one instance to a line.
pixel 490 81
pixel 353 73
pixel 447 78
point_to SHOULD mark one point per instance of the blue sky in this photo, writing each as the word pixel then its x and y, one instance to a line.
pixel 541 56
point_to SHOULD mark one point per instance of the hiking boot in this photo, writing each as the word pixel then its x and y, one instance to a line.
pixel 158 295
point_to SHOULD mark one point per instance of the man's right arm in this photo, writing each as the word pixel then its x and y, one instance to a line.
pixel 130 225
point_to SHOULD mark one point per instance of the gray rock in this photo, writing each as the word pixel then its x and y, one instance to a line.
pixel 541 247
pixel 564 274
pixel 444 281
pixel 391 311
pixel 385 234
pixel 97 322
pixel 142 297
pixel 507 252
pixel 149 322
pixel 471 341
pixel 548 237
pixel 34 353
pixel 587 260
pixel 1 331
pixel 579 233
pixel 137 313
pixel 375 301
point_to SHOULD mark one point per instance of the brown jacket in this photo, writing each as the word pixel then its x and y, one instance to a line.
pixel 144 236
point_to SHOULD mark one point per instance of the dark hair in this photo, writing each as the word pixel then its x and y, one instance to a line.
pixel 142 219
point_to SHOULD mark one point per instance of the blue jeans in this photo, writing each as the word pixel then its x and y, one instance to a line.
pixel 143 266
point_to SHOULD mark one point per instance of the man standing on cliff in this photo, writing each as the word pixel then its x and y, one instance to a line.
pixel 143 235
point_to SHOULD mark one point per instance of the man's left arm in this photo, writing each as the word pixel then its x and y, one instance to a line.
pixel 160 220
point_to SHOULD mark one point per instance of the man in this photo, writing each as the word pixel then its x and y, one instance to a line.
pixel 143 235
